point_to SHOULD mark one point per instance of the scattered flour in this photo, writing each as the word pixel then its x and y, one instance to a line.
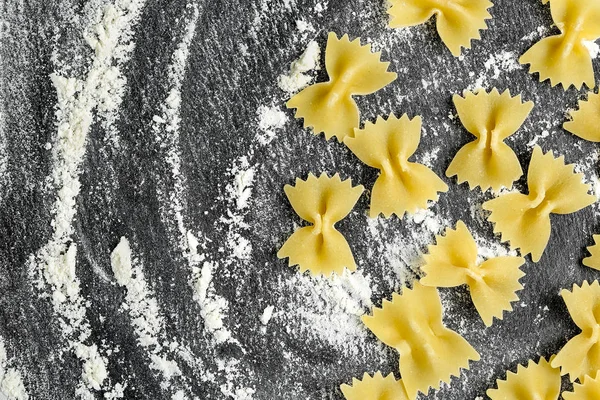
pixel 534 142
pixel 481 82
pixel 11 383
pixel 401 253
pixel 536 34
pixel 329 309
pixel 143 309
pixel 270 120
pixel 267 314
pixel 212 306
pixel 109 37
pixel 304 26
pixel 504 61
pixel 428 159
pixel 593 48
pixel 298 78
pixel 166 130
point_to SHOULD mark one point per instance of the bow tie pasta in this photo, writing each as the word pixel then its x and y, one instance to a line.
pixel 581 355
pixel 534 382
pixel 524 219
pixel 402 186
pixel 319 247
pixel 375 388
pixel 589 390
pixel 490 117
pixel 493 283
pixel 430 353
pixel 353 70
pixel 586 120
pixel 458 21
pixel 564 58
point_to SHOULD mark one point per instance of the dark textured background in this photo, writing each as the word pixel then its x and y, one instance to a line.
pixel 221 93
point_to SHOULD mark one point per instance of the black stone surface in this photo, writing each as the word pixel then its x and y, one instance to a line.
pixel 220 96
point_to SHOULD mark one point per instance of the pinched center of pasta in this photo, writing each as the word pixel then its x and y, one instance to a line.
pixel 475 272
pixel 321 224
pixel 488 138
pixel 572 35
pixel 541 205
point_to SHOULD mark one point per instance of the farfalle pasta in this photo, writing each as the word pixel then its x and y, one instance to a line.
pixel 322 202
pixel 491 117
pixel 430 353
pixel 524 219
pixel 589 390
pixel 593 261
pixel 564 58
pixel 537 381
pixel 375 388
pixel 493 283
pixel 353 70
pixel 585 121
pixel 581 355
pixel 458 21
pixel 402 186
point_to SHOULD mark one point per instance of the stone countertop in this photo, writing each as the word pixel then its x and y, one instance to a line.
pixel 152 184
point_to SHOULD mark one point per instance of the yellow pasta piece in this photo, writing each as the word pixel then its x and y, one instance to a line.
pixel 319 247
pixel 524 219
pixel 564 58
pixel 491 118
pixel 402 186
pixel 353 70
pixel 375 388
pixel 581 355
pixel 430 353
pixel 458 21
pixel 453 262
pixel 586 120
pixel 593 261
pixel 537 381
pixel 589 390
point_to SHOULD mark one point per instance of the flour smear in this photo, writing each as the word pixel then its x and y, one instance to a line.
pixel 101 88
pixel 11 382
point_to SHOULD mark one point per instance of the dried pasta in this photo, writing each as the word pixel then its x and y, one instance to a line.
pixel 375 388
pixel 430 353
pixel 586 120
pixel 580 356
pixel 402 186
pixel 493 283
pixel 593 261
pixel 535 382
pixel 353 70
pixel 458 21
pixel 524 219
pixel 589 390
pixel 490 117
pixel 564 58
pixel 319 247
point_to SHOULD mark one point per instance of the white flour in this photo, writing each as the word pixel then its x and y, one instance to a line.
pixel 77 100
pixel 145 314
pixel 212 306
pixel 592 47
pixel 297 78
pixel 11 383
pixel 504 61
pixel 399 255
pixel 270 120
pixel 329 309
pixel 166 128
